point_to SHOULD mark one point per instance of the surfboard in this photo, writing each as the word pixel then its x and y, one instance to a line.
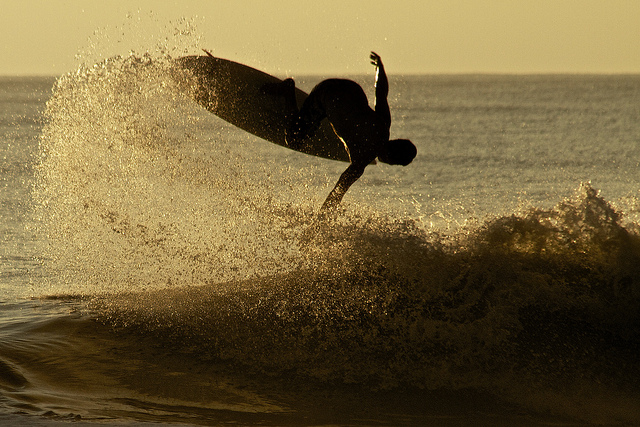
pixel 235 93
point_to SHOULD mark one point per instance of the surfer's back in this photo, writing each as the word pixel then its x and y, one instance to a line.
pixel 346 106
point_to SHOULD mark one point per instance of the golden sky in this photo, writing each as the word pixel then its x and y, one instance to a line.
pixel 332 37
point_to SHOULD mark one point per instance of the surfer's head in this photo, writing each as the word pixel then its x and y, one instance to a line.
pixel 398 152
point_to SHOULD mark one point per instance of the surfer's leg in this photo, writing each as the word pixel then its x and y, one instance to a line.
pixel 285 89
pixel 305 124
pixel 289 92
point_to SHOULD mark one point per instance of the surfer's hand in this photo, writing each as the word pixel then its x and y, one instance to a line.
pixel 375 59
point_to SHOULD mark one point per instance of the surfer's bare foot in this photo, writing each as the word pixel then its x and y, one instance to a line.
pixel 283 88
pixel 288 83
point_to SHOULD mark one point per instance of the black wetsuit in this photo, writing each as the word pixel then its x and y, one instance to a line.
pixel 363 131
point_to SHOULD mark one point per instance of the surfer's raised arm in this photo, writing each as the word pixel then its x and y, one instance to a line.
pixel 381 104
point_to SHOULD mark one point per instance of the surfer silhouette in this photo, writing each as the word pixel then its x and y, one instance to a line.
pixel 364 131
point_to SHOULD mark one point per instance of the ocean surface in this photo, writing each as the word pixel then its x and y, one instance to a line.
pixel 159 265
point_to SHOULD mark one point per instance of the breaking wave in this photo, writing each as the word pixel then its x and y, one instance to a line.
pixel 173 233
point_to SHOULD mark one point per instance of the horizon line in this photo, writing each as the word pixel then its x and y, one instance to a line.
pixel 407 74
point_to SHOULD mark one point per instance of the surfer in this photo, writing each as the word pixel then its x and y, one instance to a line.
pixel 363 131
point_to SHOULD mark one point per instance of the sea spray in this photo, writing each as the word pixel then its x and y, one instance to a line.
pixel 134 194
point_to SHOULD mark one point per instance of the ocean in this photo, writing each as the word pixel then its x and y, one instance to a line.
pixel 158 265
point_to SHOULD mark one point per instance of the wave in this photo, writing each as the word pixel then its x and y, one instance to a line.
pixel 380 280
pixel 528 307
pixel 174 234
